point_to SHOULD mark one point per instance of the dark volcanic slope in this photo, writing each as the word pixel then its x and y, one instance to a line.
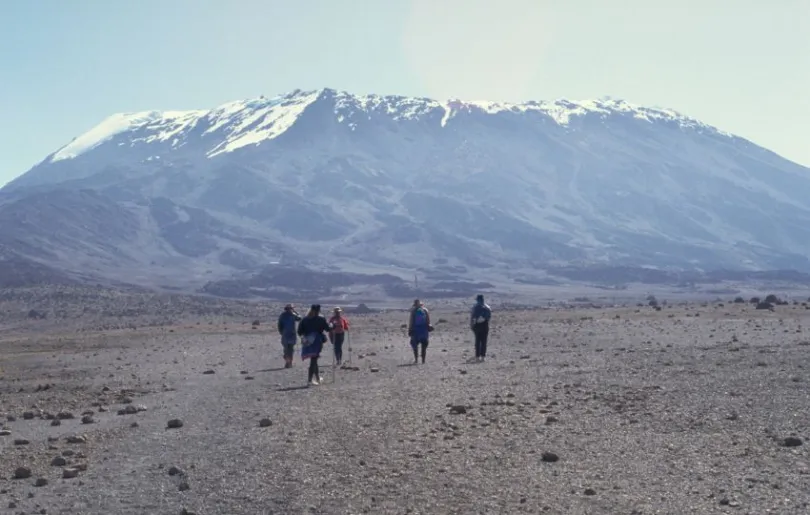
pixel 678 411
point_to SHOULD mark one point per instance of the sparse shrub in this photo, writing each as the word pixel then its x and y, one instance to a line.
pixel 773 299
pixel 739 300
pixel 257 323
pixel 764 305
pixel 754 300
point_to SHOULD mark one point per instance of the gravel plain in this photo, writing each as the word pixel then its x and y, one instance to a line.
pixel 690 409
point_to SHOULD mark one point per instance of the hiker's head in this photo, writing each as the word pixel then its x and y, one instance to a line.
pixel 338 311
pixel 289 307
pixel 479 298
pixel 314 309
pixel 417 302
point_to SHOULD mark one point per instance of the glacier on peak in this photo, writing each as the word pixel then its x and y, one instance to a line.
pixel 249 122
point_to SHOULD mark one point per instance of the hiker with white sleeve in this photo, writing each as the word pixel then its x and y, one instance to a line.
pixel 312 331
pixel 480 314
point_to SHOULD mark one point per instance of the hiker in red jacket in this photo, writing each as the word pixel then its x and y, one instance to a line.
pixel 337 335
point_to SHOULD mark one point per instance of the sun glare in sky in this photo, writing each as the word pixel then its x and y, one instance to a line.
pixel 477 50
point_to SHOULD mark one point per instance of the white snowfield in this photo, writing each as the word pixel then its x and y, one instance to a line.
pixel 250 122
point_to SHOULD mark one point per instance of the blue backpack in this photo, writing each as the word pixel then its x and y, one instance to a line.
pixel 420 319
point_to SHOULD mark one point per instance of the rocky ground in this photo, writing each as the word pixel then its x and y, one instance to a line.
pixel 691 409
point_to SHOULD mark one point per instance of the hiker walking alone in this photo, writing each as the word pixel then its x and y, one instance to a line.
pixel 337 335
pixel 286 328
pixel 480 315
pixel 312 331
pixel 419 329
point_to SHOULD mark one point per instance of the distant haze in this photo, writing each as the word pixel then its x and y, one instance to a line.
pixel 741 65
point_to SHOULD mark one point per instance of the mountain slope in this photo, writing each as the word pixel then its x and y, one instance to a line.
pixel 367 182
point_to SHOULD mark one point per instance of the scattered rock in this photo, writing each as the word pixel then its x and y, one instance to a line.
pixel 5 432
pixel 174 423
pixel 128 410
pixel 70 473
pixel 87 419
pixel 76 439
pixel 249 378
pixel 21 441
pixel 792 441
pixel 65 415
pixel 40 482
pixel 375 369
pixel 209 372
pixel 58 462
pixel 174 471
pixel 184 486
pixel 589 491
pixel 549 457
pixel 56 422
pixel 28 415
pixel 22 473
pixel 265 422
pixel 458 409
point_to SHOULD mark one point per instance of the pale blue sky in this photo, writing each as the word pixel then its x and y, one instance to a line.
pixel 743 65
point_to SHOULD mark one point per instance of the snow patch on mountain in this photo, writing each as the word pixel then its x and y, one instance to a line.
pixel 250 122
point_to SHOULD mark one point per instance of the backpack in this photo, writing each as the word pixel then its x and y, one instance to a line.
pixel 419 318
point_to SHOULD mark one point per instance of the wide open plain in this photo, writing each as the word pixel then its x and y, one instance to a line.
pixel 691 409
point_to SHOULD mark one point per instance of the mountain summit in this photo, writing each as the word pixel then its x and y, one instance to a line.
pixel 369 182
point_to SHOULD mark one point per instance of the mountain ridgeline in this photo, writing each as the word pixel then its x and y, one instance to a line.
pixel 389 185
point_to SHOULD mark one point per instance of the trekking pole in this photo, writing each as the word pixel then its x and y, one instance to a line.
pixel 349 343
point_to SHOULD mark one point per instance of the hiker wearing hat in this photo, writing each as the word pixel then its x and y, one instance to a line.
pixel 312 331
pixel 419 329
pixel 286 328
pixel 479 323
pixel 339 325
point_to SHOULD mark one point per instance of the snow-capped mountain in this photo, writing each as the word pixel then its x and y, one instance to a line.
pixel 396 183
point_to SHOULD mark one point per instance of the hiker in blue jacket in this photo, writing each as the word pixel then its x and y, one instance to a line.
pixel 286 328
pixel 312 330
pixel 419 329
pixel 480 315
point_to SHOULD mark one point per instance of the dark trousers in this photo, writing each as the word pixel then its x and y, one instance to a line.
pixel 415 344
pixel 481 334
pixel 313 369
pixel 337 341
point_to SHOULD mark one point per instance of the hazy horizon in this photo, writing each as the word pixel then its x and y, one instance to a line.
pixel 741 66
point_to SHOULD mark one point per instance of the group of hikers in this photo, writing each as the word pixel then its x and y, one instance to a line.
pixel 315 330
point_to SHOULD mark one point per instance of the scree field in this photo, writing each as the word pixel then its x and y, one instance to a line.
pixel 691 409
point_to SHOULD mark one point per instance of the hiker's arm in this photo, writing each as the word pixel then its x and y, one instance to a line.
pixel 280 326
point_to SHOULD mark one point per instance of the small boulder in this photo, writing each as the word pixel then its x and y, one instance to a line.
pixel 550 457
pixel 22 473
pixel 792 441
pixel 174 423
pixel 70 473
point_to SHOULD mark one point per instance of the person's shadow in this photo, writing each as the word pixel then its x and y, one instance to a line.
pixel 292 388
